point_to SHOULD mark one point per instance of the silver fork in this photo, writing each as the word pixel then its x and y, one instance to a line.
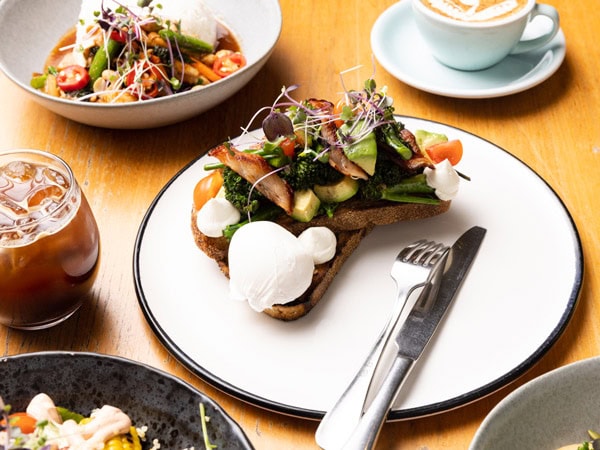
pixel 411 270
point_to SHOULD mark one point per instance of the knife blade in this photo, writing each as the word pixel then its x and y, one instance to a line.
pixel 414 334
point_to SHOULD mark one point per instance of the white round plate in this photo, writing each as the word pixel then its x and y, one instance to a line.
pixel 400 49
pixel 515 302
pixel 551 411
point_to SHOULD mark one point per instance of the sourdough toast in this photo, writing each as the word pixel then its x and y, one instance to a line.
pixel 349 166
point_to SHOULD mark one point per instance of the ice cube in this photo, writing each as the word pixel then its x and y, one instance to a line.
pixel 9 206
pixel 43 194
pixel 18 171
pixel 56 177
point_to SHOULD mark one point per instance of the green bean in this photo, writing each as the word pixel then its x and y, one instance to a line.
pixel 102 57
pixel 187 42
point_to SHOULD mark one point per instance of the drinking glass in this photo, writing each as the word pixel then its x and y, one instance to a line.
pixel 49 240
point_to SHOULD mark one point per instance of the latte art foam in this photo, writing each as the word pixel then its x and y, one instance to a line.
pixel 475 10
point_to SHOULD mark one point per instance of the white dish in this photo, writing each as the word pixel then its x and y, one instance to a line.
pixel 551 411
pixel 514 304
pixel 400 49
pixel 29 37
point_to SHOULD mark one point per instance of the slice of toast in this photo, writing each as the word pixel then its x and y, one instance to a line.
pixel 351 223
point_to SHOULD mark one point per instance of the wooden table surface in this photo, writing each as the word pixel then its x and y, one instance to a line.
pixel 552 127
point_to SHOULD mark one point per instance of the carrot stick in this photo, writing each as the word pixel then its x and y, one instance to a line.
pixel 205 70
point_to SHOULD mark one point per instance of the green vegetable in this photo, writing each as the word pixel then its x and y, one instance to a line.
pixel 102 58
pixel 428 138
pixel 38 82
pixel 338 192
pixel 240 193
pixel 410 190
pixel 407 198
pixel 306 205
pixel 417 184
pixel 362 152
pixel 391 183
pixel 386 174
pixel 267 212
pixel 67 414
pixel 204 419
pixel 389 133
pixel 187 42
pixel 305 172
pixel 274 154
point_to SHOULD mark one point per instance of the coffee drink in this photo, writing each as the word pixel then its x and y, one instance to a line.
pixel 475 10
pixel 49 241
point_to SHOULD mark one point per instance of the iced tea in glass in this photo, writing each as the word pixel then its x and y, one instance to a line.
pixel 49 240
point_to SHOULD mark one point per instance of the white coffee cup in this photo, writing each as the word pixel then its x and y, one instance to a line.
pixel 476 45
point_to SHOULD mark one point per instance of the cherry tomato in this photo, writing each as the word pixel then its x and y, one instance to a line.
pixel 119 36
pixel 207 188
pixel 451 150
pixel 229 63
pixel 145 75
pixel 72 78
pixel 22 420
pixel 288 145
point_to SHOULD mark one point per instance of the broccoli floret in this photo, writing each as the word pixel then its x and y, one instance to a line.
pixel 240 193
pixel 392 182
pixel 387 173
pixel 305 172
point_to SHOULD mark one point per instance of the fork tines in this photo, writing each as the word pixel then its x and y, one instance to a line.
pixel 423 252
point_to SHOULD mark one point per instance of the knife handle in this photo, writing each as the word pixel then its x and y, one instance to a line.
pixel 367 431
pixel 340 421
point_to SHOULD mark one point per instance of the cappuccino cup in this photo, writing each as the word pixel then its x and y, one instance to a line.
pixel 477 34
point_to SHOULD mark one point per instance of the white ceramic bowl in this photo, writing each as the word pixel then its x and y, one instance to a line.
pixel 31 28
pixel 551 411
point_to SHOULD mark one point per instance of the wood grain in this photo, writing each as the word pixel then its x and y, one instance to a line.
pixel 553 128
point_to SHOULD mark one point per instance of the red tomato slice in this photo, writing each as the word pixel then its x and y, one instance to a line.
pixel 207 188
pixel 451 150
pixel 288 145
pixel 72 78
pixel 227 64
pixel 119 36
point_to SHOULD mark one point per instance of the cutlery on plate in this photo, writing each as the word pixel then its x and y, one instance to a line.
pixel 345 426
pixel 411 270
pixel 414 335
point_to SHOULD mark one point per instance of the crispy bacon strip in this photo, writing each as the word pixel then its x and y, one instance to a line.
pixel 258 172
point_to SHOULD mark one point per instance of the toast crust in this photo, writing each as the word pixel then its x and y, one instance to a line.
pixel 351 222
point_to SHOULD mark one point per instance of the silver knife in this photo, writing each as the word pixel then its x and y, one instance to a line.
pixel 414 335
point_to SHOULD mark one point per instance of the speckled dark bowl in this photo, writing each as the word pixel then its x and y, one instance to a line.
pixel 84 381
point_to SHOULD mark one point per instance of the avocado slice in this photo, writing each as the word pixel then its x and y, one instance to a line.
pixel 428 138
pixel 337 192
pixel 363 153
pixel 306 205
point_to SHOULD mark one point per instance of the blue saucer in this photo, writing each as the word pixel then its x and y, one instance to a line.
pixel 400 49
